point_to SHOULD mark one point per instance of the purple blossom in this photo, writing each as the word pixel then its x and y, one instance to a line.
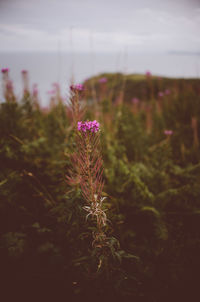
pixel 77 87
pixel 5 70
pixel 160 94
pixel 168 132
pixel 167 91
pixel 56 86
pixel 9 85
pixel 88 126
pixel 135 100
pixel 35 90
pixel 148 73
pixel 103 80
pixel 51 92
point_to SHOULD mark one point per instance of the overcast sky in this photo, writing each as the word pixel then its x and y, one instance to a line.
pixel 105 25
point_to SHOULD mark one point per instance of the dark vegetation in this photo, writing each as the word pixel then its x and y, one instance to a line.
pixel 152 184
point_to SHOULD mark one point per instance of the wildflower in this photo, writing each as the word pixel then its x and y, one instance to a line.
pixel 77 87
pixel 135 100
pixel 88 126
pixel 56 85
pixel 87 168
pixel 5 70
pixel 148 73
pixel 9 85
pixel 35 90
pixel 168 132
pixel 160 94
pixel 103 80
pixel 167 91
pixel 51 92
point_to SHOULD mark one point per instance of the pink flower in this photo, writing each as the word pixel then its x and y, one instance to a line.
pixel 51 92
pixel 135 100
pixel 5 70
pixel 77 87
pixel 103 80
pixel 24 71
pixel 167 91
pixel 168 132
pixel 148 73
pixel 160 94
pixel 9 85
pixel 35 90
pixel 56 85
pixel 89 126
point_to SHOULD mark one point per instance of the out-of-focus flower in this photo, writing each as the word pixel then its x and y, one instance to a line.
pixel 89 126
pixel 168 132
pixel 148 73
pixel 103 80
pixel 35 90
pixel 9 85
pixel 77 87
pixel 56 86
pixel 24 71
pixel 160 94
pixel 135 100
pixel 5 70
pixel 45 109
pixel 167 91
pixel 51 92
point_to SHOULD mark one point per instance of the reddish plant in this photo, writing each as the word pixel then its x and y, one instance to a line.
pixel 88 169
pixel 8 89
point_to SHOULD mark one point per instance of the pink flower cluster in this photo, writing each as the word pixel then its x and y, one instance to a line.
pixel 135 100
pixel 35 90
pixel 160 94
pixel 5 70
pixel 24 71
pixel 92 126
pixel 51 92
pixel 77 87
pixel 168 132
pixel 166 92
pixel 148 73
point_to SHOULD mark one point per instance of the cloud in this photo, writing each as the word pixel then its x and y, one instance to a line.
pixel 112 25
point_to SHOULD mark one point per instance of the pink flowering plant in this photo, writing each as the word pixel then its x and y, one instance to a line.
pixel 89 162
pixel 77 87
pixel 89 126
pixel 5 70
pixel 8 89
pixel 103 80
pixel 168 132
pixel 87 174
pixel 87 170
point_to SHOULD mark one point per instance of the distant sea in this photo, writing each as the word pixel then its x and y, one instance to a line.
pixel 47 68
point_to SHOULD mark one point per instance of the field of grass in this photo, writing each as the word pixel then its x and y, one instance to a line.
pixel 149 141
